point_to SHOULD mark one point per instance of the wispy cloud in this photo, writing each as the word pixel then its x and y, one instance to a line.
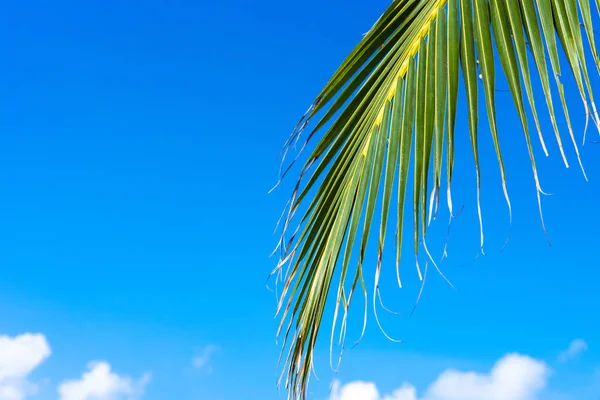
pixel 203 361
pixel 575 349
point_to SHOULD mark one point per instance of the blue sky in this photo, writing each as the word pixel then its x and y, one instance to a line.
pixel 139 141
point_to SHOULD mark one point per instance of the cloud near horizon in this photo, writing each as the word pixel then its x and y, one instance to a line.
pixel 100 383
pixel 21 355
pixel 514 376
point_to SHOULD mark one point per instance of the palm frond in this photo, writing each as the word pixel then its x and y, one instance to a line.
pixel 395 99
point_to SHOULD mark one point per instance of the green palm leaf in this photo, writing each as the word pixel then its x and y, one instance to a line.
pixel 395 99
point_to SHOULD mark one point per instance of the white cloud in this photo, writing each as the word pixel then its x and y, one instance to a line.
pixel 576 348
pixel 514 377
pixel 19 356
pixel 100 383
pixel 22 354
pixel 405 392
pixel 203 361
pixel 358 390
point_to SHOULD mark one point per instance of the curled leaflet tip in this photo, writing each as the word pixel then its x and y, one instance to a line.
pixel 542 219
pixel 362 334
pixel 432 197
pixel 435 265
pixel 398 274
pixel 281 177
pixel 383 306
pixel 479 254
pixel 507 240
pixel 452 217
pixel 420 290
pixel 379 323
pixel 333 325
pixel 285 208
pixel 419 271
